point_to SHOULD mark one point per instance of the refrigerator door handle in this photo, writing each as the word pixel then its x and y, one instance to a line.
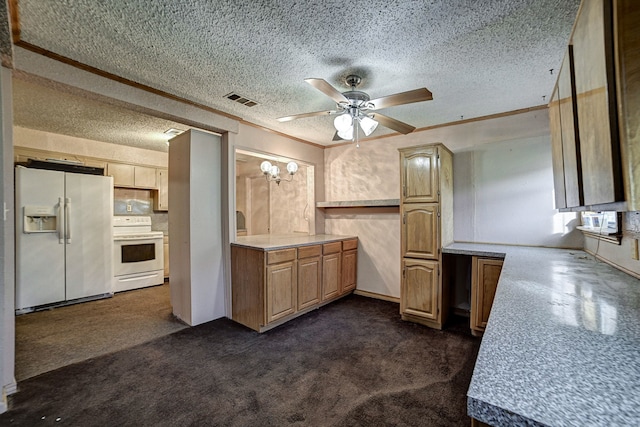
pixel 59 221
pixel 67 219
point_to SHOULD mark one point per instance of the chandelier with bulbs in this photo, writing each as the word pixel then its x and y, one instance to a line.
pixel 272 172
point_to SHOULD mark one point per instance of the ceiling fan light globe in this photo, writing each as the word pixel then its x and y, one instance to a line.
pixel 292 167
pixel 343 122
pixel 265 167
pixel 346 134
pixel 368 125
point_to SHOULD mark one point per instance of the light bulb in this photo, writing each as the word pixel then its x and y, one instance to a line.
pixel 275 171
pixel 343 122
pixel 368 125
pixel 346 134
pixel 265 167
pixel 292 167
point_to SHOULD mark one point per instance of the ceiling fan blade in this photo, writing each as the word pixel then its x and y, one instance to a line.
pixel 303 115
pixel 327 89
pixel 394 124
pixel 416 95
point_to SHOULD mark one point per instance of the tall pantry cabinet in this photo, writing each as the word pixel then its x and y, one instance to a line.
pixel 426 208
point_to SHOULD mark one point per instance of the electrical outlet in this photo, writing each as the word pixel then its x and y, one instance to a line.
pixel 634 249
pixel 128 207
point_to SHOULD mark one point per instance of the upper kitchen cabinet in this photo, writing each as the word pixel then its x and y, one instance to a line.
pixel 125 175
pixel 567 170
pixel 593 52
pixel 161 199
pixel 627 43
pixel 419 175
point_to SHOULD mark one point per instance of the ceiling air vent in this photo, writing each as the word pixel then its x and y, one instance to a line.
pixel 241 99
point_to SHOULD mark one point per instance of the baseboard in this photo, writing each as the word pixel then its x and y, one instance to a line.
pixel 377 296
pixel 7 390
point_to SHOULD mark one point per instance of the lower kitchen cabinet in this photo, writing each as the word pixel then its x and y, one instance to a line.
pixel 309 276
pixel 419 300
pixel 270 287
pixel 331 269
pixel 349 270
pixel 485 273
pixel 281 290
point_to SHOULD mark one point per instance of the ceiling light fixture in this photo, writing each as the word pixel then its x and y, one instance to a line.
pixel 272 172
pixel 171 132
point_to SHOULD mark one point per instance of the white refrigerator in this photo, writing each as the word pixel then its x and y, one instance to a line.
pixel 64 242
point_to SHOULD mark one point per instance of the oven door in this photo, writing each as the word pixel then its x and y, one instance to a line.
pixel 137 255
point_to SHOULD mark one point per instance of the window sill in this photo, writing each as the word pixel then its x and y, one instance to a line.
pixel 607 236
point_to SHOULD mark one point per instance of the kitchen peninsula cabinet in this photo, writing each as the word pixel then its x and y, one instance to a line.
pixel 277 278
pixel 485 273
pixel 426 180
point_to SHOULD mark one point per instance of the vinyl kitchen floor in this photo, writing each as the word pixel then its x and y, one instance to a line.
pixel 47 340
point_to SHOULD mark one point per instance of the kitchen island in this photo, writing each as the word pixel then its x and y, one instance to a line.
pixel 275 278
pixel 562 344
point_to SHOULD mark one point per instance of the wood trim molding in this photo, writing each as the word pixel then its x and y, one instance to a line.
pixel 14 19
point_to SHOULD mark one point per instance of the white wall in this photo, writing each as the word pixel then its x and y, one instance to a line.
pixel 502 191
pixel 195 225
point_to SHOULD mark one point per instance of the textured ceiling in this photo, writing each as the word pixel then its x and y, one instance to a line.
pixel 478 57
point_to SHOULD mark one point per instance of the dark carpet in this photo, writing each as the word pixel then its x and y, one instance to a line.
pixel 350 363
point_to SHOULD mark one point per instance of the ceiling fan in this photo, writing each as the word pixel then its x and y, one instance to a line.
pixel 356 107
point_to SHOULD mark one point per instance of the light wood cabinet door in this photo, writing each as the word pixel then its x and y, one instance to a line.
pixel 567 165
pixel 420 231
pixel 419 175
pixel 555 126
pixel 123 175
pixel 596 103
pixel 331 265
pixel 309 281
pixel 349 270
pixel 485 273
pixel 144 177
pixel 281 290
pixel 628 78
pixel 161 201
pixel 420 289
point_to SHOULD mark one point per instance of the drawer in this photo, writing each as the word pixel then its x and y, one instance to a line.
pixel 331 248
pixel 349 244
pixel 282 255
pixel 309 251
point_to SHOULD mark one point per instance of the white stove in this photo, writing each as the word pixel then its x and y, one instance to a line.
pixel 132 227
pixel 138 259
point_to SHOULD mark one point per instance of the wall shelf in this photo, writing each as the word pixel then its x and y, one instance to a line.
pixel 380 203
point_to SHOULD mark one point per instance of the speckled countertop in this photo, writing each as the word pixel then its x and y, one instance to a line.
pixel 562 346
pixel 283 241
